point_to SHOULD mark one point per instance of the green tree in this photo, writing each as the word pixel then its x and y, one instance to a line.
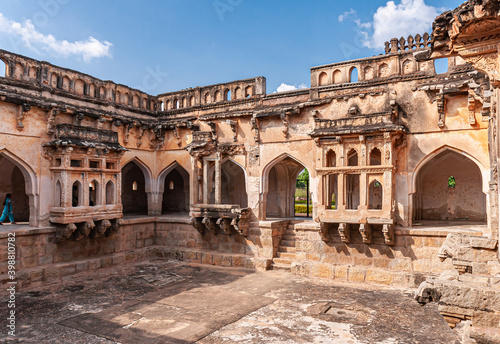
pixel 302 179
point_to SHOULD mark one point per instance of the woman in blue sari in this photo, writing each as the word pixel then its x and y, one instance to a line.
pixel 7 210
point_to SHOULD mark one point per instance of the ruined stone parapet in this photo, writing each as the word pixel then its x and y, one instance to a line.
pixel 70 82
pixel 469 253
pixel 400 62
pixel 212 95
pixel 464 298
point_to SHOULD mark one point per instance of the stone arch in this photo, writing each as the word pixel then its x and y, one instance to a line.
pixel 32 73
pixel 174 185
pixel 248 91
pixel 24 194
pixel 118 97
pixel 54 80
pixel 233 183
pixel 58 194
pixel 375 195
pixel 176 103
pixel 66 83
pixel 135 199
pixel 227 95
pixel 337 77
pixel 353 74
pixel 79 87
pixel 434 199
pixel 135 100
pixel 110 192
pixel 184 102
pixel 102 92
pixel 191 101
pixel 94 193
pixel 384 70
pixel 407 67
pixel 207 98
pixel 92 91
pixel 278 187
pixel 368 72
pixel 76 194
pixel 375 157
pixel 323 79
pixel 217 96
pixel 237 93
pixel 18 71
pixel 331 158
pixel 352 157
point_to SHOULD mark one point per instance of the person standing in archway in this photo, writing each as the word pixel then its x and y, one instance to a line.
pixel 7 210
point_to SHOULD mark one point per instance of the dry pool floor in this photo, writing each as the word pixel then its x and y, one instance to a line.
pixel 160 301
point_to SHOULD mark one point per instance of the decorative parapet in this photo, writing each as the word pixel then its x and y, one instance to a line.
pixel 357 124
pixel 217 218
pixel 403 45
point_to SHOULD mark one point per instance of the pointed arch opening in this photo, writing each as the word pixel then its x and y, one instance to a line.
pixel 233 184
pixel 175 190
pixel 76 194
pixel 280 186
pixel 237 93
pixel 94 193
pixel 331 158
pixel 375 195
pixel 58 195
pixel 375 157
pixel 134 196
pixel 19 180
pixel 227 95
pixel 337 77
pixel 353 75
pixel 323 79
pixel 352 158
pixel 449 187
pixel 110 192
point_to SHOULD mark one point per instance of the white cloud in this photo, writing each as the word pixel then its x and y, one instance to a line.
pixel 407 18
pixel 346 15
pixel 285 87
pixel 33 39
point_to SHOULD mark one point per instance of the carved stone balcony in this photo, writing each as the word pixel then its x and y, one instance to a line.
pixel 217 218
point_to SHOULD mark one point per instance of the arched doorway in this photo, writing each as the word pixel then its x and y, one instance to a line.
pixel 280 185
pixel 233 186
pixel 176 191
pixel 134 196
pixel 13 181
pixel 449 187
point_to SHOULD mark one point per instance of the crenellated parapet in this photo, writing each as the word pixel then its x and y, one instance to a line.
pixel 213 94
pixel 67 81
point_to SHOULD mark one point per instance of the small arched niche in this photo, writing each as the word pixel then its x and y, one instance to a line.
pixel 93 193
pixel 331 158
pixel 110 192
pixel 352 157
pixel 76 194
pixel 375 193
pixel 375 157
pixel 323 79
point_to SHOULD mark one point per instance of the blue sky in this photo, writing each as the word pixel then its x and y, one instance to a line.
pixel 168 45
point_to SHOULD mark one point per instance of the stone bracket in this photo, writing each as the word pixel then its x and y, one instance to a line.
pixel 227 219
pixel 52 114
pixel 471 108
pixel 324 231
pixel 388 231
pixel 284 119
pixel 234 129
pixel 366 232
pixel 345 234
pixel 21 114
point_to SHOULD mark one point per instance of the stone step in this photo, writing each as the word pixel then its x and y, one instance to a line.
pixel 289 232
pixel 287 249
pixel 287 255
pixel 289 243
pixel 281 267
pixel 282 261
pixel 288 237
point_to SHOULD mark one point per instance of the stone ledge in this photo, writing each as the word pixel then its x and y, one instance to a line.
pixel 56 273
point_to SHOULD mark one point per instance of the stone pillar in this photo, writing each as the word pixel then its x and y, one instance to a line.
pixel 341 191
pixel 218 181
pixel 205 181
pixel 193 181
pixel 363 189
